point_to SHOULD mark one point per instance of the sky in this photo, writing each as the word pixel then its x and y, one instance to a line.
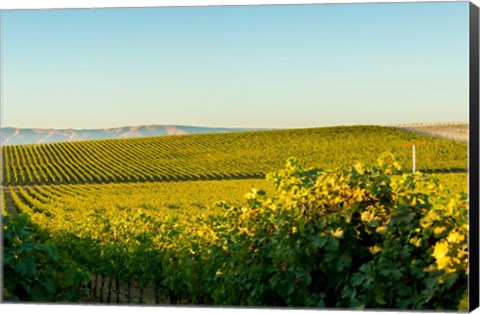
pixel 284 66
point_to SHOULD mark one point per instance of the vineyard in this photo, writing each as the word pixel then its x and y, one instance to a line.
pixel 192 220
pixel 219 156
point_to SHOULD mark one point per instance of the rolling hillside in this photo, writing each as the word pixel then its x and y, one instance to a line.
pixel 220 156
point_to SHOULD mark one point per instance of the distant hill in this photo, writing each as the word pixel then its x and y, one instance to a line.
pixel 455 130
pixel 14 136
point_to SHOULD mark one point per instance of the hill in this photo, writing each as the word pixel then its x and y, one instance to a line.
pixel 15 136
pixel 220 156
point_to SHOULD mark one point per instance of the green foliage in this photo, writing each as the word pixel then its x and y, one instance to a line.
pixel 33 269
pixel 352 237
pixel 357 237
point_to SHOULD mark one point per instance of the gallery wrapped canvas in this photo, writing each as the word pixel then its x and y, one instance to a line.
pixel 312 156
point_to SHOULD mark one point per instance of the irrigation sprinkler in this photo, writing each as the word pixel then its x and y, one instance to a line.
pixel 414 153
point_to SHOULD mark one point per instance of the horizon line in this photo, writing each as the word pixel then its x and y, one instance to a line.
pixel 230 127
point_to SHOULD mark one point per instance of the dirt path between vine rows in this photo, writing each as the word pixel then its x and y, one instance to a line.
pixel 8 200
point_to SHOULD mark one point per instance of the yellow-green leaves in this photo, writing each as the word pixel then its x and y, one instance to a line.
pixel 439 231
pixel 463 305
pixel 456 237
pixel 361 236
pixel 440 251
pixel 337 233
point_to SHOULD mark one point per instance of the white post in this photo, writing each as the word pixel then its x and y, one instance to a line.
pixel 413 157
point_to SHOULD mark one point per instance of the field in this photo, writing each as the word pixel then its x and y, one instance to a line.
pixel 220 156
pixel 173 215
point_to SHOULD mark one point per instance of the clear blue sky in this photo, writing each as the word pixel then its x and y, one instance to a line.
pixel 250 66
